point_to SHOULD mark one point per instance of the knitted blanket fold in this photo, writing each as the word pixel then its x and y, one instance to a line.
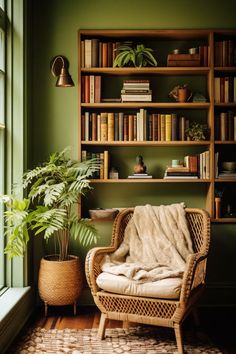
pixel 155 245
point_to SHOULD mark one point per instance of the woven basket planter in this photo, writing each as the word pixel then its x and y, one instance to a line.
pixel 60 282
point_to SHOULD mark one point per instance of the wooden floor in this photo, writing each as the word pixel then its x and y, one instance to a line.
pixel 218 323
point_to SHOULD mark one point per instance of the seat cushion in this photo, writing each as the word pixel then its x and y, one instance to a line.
pixel 168 288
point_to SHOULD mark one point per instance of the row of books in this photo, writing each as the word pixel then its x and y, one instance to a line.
pixel 96 53
pixel 91 89
pixel 225 53
pixel 194 167
pixel 118 126
pixel 103 158
pixel 225 89
pixel 136 91
pixel 225 126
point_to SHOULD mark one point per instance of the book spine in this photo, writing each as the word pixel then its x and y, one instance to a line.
pixel 82 54
pixel 121 126
pixel 106 164
pixel 86 126
pixel 94 126
pixel 100 54
pixel 116 126
pixel 109 54
pixel 182 128
pixel 97 92
pixel 111 123
pixel 101 165
pixel 82 127
pixel 88 53
pixel 131 127
pixel 94 54
pixel 163 128
pixel 126 127
pixel 223 126
pixel 104 55
pixel 98 127
pixel 104 130
pixel 91 92
pixel 174 130
pixel 154 127
pixel 87 89
pixel 135 127
pixel 168 127
pixel 83 155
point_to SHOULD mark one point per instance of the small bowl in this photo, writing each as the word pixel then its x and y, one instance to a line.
pixel 229 166
pixel 103 214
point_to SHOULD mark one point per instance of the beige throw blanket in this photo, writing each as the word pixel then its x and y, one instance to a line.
pixel 155 246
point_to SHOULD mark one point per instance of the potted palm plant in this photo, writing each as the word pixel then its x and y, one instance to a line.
pixel 53 190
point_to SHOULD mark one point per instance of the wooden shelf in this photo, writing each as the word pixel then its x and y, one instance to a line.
pixel 171 75
pixel 151 180
pixel 225 142
pixel 224 220
pixel 147 143
pixel 225 69
pixel 224 180
pixel 202 70
pixel 229 104
pixel 137 105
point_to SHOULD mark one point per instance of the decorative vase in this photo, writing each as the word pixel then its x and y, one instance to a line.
pixel 60 282
pixel 217 207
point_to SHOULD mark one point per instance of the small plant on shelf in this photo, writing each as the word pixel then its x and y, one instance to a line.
pixel 197 131
pixel 137 56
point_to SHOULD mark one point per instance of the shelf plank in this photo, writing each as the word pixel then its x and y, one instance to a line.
pixel 229 104
pixel 225 142
pixel 151 180
pixel 220 180
pixel 147 143
pixel 137 105
pixel 225 69
pixel 224 220
pixel 200 70
pixel 169 34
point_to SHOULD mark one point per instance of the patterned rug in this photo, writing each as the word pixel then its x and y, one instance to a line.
pixel 136 340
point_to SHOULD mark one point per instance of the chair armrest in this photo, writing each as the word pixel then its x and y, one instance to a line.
pixel 92 265
pixel 194 274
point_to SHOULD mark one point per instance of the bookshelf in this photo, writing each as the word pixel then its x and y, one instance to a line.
pixel 220 62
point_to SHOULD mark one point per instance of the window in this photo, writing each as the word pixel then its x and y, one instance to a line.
pixel 2 137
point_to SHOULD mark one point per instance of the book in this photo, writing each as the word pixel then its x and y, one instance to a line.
pixel 136 176
pixel 97 89
pixel 104 130
pixel 110 126
pixel 168 127
pixel 94 52
pixel 136 98
pixel 106 164
pixel 87 53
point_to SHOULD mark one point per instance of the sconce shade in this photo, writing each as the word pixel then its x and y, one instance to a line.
pixel 64 79
pixel 59 67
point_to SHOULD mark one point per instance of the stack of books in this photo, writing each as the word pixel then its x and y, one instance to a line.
pixel 136 91
pixel 140 175
pixel 227 174
pixel 180 172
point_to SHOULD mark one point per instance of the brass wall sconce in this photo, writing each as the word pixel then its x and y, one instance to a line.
pixel 59 67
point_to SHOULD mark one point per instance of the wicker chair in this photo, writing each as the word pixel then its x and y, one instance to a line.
pixel 160 312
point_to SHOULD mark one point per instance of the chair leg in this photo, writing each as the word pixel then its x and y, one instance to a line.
pixel 179 338
pixel 125 324
pixel 102 326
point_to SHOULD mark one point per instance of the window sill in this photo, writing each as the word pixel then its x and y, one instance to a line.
pixel 16 305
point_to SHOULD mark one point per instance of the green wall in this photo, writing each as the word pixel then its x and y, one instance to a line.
pixel 54 111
